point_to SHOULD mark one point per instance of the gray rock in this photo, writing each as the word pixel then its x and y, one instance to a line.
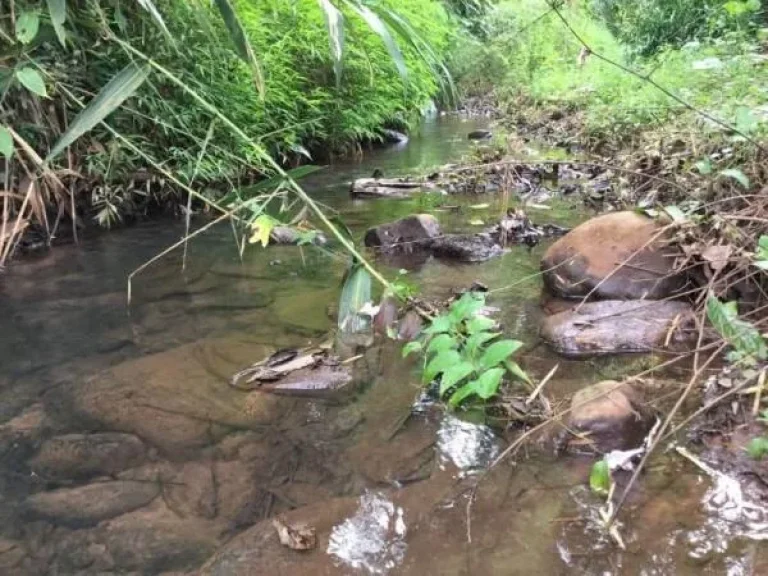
pixel 92 503
pixel 611 415
pixel 77 456
pixel 466 247
pixel 618 326
pixel 410 233
pixel 385 188
pixel 480 135
pixel 290 236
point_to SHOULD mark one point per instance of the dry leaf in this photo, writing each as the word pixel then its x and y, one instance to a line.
pixel 717 256
pixel 297 537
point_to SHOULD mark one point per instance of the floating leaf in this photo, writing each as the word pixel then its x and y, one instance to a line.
pixel 242 45
pixel 57 10
pixel 737 175
pixel 498 352
pixel 32 81
pixel 109 98
pixel 6 142
pixel 334 22
pixel 27 26
pixel 600 478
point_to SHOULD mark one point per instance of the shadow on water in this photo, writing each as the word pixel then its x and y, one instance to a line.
pixel 125 451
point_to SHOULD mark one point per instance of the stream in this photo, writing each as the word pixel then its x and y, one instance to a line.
pixel 125 451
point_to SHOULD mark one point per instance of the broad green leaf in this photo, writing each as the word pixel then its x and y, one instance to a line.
pixel 454 374
pixel 497 352
pixel 109 98
pixel 746 121
pixel 442 361
pixel 441 342
pixel 740 334
pixel 376 24
pixel 467 306
pixel 488 383
pixel 480 324
pixel 762 243
pixel 677 215
pixel 6 142
pixel 737 175
pixel 334 22
pixel 242 45
pixel 704 166
pixel 27 26
pixel 439 325
pixel 150 7
pixel 354 295
pixel 461 394
pixel 412 347
pixel 32 81
pixel 57 10
pixel 757 448
pixel 517 372
pixel 262 229
pixel 600 478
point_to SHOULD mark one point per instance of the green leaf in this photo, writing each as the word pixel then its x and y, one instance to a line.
pixel 488 383
pixel 497 352
pixel 439 363
pixel 6 142
pixel 746 121
pixel 32 81
pixel 440 343
pixel 737 175
pixel 109 98
pixel 376 24
pixel 454 374
pixel 677 215
pixel 354 295
pixel 412 347
pixel 704 166
pixel 27 26
pixel 334 22
pixel 600 478
pixel 517 372
pixel 242 45
pixel 740 334
pixel 480 324
pixel 475 341
pixel 467 306
pixel 57 9
pixel 757 448
pixel 150 7
pixel 439 325
pixel 262 229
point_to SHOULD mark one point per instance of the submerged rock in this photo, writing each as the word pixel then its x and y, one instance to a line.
pixel 85 455
pixel 393 136
pixel 588 256
pixel 92 503
pixel 410 233
pixel 467 247
pixel 480 135
pixel 611 415
pixel 617 326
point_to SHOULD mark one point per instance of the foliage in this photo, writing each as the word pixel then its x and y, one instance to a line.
pixel 462 349
pixel 600 477
pixel 647 26
pixel 745 339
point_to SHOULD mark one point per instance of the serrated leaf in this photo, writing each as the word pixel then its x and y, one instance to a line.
pixel 454 374
pixel 109 98
pixel 57 10
pixel 498 352
pixel 441 342
pixel 242 44
pixel 757 448
pixel 377 25
pixel 412 347
pixel 600 478
pixel 737 175
pixel 32 81
pixel 488 383
pixel 6 143
pixel 440 362
pixel 480 324
pixel 262 229
pixel 27 26
pixel 334 23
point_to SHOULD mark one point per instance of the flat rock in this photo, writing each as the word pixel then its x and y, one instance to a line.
pixel 611 415
pixel 480 135
pixel 466 247
pixel 77 456
pixel 618 326
pixel 385 187
pixel 617 255
pixel 92 503
pixel 409 233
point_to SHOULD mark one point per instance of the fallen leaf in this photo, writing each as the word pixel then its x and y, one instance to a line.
pixel 476 222
pixel 717 256
pixel 297 537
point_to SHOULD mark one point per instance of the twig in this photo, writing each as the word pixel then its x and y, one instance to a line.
pixel 541 385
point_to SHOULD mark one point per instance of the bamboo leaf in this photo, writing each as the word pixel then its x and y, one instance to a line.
pixel 6 143
pixel 375 23
pixel 57 9
pixel 32 81
pixel 150 7
pixel 109 98
pixel 242 45
pixel 334 21
pixel 354 295
pixel 27 26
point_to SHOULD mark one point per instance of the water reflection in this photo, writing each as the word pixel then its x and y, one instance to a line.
pixel 373 540
pixel 469 447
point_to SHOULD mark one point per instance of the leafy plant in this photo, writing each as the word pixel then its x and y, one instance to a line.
pixel 462 351
pixel 745 339
pixel 757 448
pixel 600 478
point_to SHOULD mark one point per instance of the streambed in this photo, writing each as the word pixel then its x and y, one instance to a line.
pixel 124 451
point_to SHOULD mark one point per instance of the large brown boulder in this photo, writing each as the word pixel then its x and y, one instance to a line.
pixel 621 254
pixel 610 416
pixel 407 233
pixel 618 326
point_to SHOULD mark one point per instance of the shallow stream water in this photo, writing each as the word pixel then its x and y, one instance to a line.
pixel 124 451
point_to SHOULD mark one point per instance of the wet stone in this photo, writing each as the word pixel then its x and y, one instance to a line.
pixel 611 415
pixel 466 247
pixel 480 135
pixel 410 233
pixel 617 326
